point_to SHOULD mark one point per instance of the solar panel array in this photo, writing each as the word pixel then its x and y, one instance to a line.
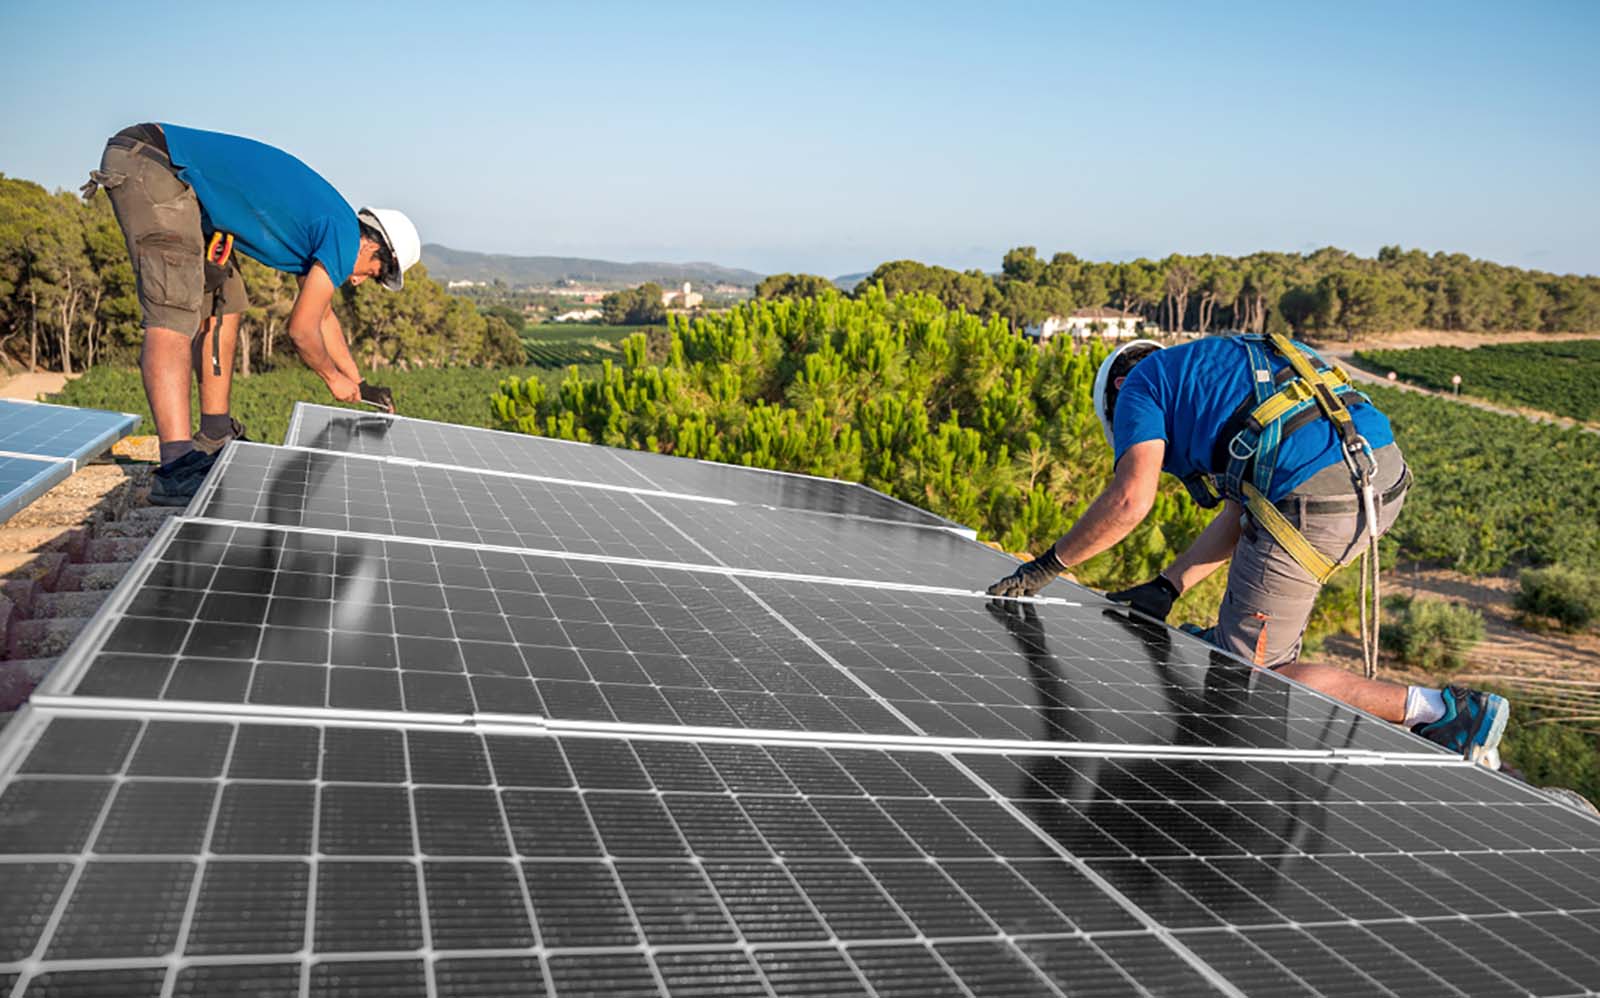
pixel 576 722
pixel 41 445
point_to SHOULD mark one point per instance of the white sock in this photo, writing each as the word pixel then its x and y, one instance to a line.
pixel 1423 706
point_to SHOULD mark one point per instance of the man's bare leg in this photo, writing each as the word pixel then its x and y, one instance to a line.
pixel 216 389
pixel 1375 696
pixel 165 366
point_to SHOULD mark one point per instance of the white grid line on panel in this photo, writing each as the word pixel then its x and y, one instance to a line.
pixel 715 569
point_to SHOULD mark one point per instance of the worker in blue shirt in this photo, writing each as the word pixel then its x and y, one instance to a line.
pixel 1308 475
pixel 186 200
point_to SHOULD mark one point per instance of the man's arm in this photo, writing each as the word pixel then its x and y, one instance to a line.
pixel 1112 516
pixel 1210 551
pixel 311 307
pixel 338 348
pixel 1122 506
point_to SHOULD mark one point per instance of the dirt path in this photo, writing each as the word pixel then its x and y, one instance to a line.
pixel 1346 359
pixel 29 386
pixel 1555 670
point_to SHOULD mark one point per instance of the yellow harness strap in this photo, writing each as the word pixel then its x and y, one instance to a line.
pixel 1330 403
pixel 1296 392
pixel 1318 564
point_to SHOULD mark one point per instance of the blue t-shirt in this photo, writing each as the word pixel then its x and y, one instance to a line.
pixel 1184 394
pixel 279 210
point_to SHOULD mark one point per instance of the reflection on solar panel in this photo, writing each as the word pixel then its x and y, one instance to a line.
pixel 41 445
pixel 369 726
pixel 325 428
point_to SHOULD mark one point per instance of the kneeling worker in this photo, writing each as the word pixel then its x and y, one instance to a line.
pixel 1310 477
pixel 186 199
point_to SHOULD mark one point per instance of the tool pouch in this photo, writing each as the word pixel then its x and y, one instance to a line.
pixel 109 179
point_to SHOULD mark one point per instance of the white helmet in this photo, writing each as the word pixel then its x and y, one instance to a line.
pixel 1122 359
pixel 403 243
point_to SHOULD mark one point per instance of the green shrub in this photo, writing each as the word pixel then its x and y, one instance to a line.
pixel 1432 634
pixel 1570 596
pixel 1552 754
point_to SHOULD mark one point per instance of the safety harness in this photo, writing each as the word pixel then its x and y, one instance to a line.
pixel 1246 456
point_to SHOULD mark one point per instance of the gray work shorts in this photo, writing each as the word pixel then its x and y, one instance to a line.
pixel 160 219
pixel 1269 598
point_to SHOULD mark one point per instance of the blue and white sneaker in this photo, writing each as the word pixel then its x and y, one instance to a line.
pixel 1472 724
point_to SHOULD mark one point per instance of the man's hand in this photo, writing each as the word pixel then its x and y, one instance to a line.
pixel 1030 578
pixel 378 397
pixel 343 389
pixel 1153 598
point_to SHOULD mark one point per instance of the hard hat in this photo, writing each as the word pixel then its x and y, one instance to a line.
pixel 1121 361
pixel 403 243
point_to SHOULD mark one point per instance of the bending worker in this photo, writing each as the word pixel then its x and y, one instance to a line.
pixel 1309 476
pixel 186 200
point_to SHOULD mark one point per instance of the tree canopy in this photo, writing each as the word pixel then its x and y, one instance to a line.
pixel 638 306
pixel 793 286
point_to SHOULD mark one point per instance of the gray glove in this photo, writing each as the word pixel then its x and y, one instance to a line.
pixel 1030 578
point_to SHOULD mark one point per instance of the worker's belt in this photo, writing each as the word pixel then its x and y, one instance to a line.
pixel 139 148
pixel 1334 505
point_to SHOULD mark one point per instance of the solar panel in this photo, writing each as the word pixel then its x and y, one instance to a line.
pixel 361 725
pixel 61 431
pixel 205 850
pixel 41 445
pixel 199 851
pixel 244 615
pixel 326 428
pixel 338 492
pixel 24 479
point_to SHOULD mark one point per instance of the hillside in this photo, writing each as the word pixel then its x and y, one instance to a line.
pixel 448 264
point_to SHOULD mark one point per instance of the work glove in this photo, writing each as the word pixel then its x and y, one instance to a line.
pixel 378 397
pixel 1030 578
pixel 1153 598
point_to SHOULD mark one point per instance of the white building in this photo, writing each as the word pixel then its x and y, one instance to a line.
pixel 1112 323
pixel 686 298
pixel 579 315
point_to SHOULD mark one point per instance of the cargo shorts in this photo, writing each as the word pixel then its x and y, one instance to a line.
pixel 160 220
pixel 1270 597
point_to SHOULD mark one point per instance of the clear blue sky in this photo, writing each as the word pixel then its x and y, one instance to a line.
pixel 829 137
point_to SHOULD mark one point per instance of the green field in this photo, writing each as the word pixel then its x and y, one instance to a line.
pixel 1562 377
pixel 1493 491
pixel 263 402
pixel 555 344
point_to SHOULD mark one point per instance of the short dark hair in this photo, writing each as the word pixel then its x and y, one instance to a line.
pixel 1125 363
pixel 373 233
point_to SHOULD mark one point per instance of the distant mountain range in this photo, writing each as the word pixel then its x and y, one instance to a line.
pixel 446 264
pixel 848 282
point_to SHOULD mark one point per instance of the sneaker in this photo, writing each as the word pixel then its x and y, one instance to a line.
pixel 212 445
pixel 1472 724
pixel 176 483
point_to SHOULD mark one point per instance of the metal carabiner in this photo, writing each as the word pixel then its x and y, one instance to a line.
pixel 1233 449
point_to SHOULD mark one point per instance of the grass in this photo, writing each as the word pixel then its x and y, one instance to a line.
pixel 263 402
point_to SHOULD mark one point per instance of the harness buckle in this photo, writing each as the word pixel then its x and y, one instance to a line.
pixel 1234 447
